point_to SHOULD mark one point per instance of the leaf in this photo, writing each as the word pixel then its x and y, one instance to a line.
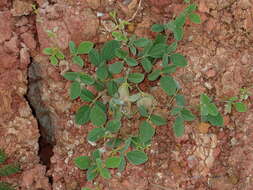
pixel 143 111
pixel 204 99
pixel 115 68
pixel 212 109
pixel 100 86
pixel 109 49
pixel 53 60
pixel 146 132
pixel 160 39
pixel 82 162
pixel 96 154
pixel 133 49
pixel 105 173
pixel 75 90
pixel 78 60
pixel 94 57
pixel 112 87
pixel 72 48
pixel 91 173
pixel 215 120
pixel 178 60
pixel 176 110
pixel 178 33
pixel 158 120
pixel 172 47
pixel 154 75
pixel 180 20
pixel 141 42
pixel 9 169
pixel 121 53
pixel 119 36
pixel 6 186
pixel 96 134
pixel 85 47
pixel 157 51
pixel 147 65
pixel 87 95
pixel 97 116
pixel 180 100
pixel 82 116
pixel 112 162
pixel 86 79
pixel 165 60
pixel 178 127
pixel 113 126
pixel 131 61
pixel 168 84
pixel 48 51
pixel 192 7
pixel 3 156
pixel 136 77
pixel 195 18
pixel 122 164
pixel 71 75
pixel 187 115
pixel 171 68
pixel 59 55
pixel 102 72
pixel 137 157
pixel 240 107
pixel 157 28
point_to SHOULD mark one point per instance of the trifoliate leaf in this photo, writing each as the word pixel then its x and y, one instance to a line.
pixel 78 60
pixel 240 107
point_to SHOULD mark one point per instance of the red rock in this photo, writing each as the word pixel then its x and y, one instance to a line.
pixel 202 7
pixel 210 73
pixel 5 26
pixel 12 45
pixel 22 7
pixel 28 39
pixel 24 58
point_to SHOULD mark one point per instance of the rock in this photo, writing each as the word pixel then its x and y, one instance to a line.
pixel 28 39
pixel 94 4
pixel 5 26
pixel 202 7
pixel 24 58
pixel 12 45
pixel 22 7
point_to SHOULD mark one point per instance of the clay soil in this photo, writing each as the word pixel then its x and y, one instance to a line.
pixel 36 114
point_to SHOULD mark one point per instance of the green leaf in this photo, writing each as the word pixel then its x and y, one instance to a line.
pixel 78 60
pixel 82 116
pixel 121 53
pixel 94 57
pixel 141 42
pixel 112 162
pixel 178 127
pixel 72 48
pixel 131 61
pixel 6 186
pixel 240 107
pixel 146 64
pixel 172 47
pixel 109 49
pixel 158 50
pixel 85 47
pixel 91 173
pixel 137 157
pixel 96 134
pixel 59 55
pixel 203 109
pixel 100 86
pixel 133 49
pixel 154 75
pixel 143 111
pixel 176 110
pixel 165 60
pixel 178 33
pixel 53 60
pixel 105 173
pixel 158 120
pixel 75 90
pixel 212 109
pixel 178 60
pixel 180 20
pixel 146 132
pixel 113 126
pixel 160 39
pixel 195 18
pixel 82 162
pixel 96 154
pixel 180 100
pixel 187 115
pixel 86 79
pixel 112 87
pixel 136 77
pixel 122 164
pixel 215 120
pixel 157 28
pixel 115 68
pixel 97 116
pixel 9 169
pixel 71 75
pixel 48 51
pixel 168 84
pixel 102 72
pixel 192 7
pixel 204 99
pixel 119 36
pixel 3 156
pixel 114 143
pixel 87 95
pixel 171 68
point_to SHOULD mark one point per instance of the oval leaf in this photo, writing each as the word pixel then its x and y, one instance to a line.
pixel 146 132
pixel 75 90
pixel 137 157
pixel 84 47
pixel 136 77
pixel 82 162
pixel 82 115
pixel 96 134
pixel 112 162
pixel 97 116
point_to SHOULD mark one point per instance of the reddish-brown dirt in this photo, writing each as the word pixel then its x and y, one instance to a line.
pixel 220 55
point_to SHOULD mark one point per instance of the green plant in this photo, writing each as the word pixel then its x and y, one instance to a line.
pixel 121 65
pixel 236 103
pixel 55 55
pixel 7 170
pixel 209 112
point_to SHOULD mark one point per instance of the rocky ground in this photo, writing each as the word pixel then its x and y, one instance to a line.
pixel 36 110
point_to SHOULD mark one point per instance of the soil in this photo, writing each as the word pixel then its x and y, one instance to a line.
pixel 36 123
